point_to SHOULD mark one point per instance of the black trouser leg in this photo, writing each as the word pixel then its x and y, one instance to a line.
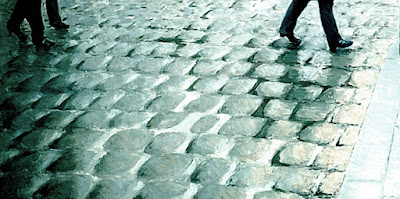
pixel 328 21
pixel 18 15
pixel 52 11
pixel 292 14
pixel 34 17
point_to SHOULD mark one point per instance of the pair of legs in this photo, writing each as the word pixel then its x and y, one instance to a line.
pixel 327 19
pixel 31 11
pixel 53 14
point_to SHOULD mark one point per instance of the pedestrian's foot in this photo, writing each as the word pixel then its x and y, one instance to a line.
pixel 295 41
pixel 44 44
pixel 59 25
pixel 340 44
pixel 17 32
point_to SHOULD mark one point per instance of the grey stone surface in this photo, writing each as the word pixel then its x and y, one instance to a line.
pixel 242 126
pixel 97 115
pixel 219 191
pixel 211 172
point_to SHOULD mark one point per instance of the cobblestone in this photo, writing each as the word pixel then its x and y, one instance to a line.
pixel 187 99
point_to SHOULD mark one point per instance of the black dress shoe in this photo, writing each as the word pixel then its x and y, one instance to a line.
pixel 340 44
pixel 59 25
pixel 16 30
pixel 295 41
pixel 44 44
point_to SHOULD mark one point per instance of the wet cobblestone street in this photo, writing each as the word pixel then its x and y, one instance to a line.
pixel 188 99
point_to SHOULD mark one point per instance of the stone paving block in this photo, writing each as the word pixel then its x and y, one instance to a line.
pixel 122 63
pixel 204 124
pixel 240 40
pixel 143 48
pixel 275 194
pixel 208 67
pixel 58 119
pixel 364 77
pixel 73 186
pixel 50 100
pixel 166 120
pixel 267 55
pixel 134 101
pixel 11 79
pixel 133 140
pixel 36 82
pixel 166 102
pixel 216 37
pixel 362 95
pixel 242 126
pixel 21 184
pixel 189 50
pixel 120 50
pixel 241 104
pixel 205 103
pixel 107 99
pixel 131 119
pixel 333 158
pixel 273 89
pixel 350 114
pixel 7 139
pixel 191 35
pixel 349 137
pixel 165 189
pixel 142 82
pixel 283 129
pixel 33 162
pixel 153 65
pixel 300 181
pixel 315 111
pixel 90 81
pixel 253 176
pixel 95 119
pixel 166 143
pixel 220 191
pixel 297 153
pixel 95 63
pixel 279 109
pixel 180 66
pixel 40 139
pixel 320 133
pixel 21 101
pixel 238 86
pixel 209 84
pixel 211 172
pixel 309 93
pixel 212 144
pixel 123 188
pixel 125 161
pixel 176 83
pixel 239 53
pixel 301 74
pixel 164 49
pixel 333 77
pixel 101 48
pixel 236 68
pixel 79 138
pixel 255 150
pixel 6 154
pixel 22 122
pixel 337 94
pixel 63 82
pixel 75 160
pixel 72 60
pixel 168 167
pixel 332 183
pixel 81 100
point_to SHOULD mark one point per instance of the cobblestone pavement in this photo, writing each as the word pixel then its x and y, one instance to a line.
pixel 188 99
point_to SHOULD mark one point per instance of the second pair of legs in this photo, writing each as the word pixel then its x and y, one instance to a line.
pixel 328 22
